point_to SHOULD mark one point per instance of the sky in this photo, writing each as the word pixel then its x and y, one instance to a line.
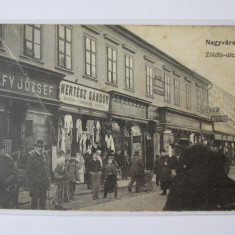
pixel 187 44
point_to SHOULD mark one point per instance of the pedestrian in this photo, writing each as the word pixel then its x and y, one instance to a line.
pixel 110 178
pixel 95 176
pixel 61 181
pixel 157 169
pixel 72 176
pixel 8 180
pixel 202 183
pixel 88 159
pixel 38 177
pixel 136 172
pixel 165 172
pixel 125 165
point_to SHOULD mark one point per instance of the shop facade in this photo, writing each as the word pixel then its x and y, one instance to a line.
pixel 28 108
pixel 177 127
pixel 83 118
pixel 128 117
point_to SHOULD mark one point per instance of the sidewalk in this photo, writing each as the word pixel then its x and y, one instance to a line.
pixel 81 189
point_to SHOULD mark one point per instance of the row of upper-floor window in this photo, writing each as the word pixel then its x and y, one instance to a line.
pixel 32 48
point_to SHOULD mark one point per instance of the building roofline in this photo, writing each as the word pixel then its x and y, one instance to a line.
pixel 154 50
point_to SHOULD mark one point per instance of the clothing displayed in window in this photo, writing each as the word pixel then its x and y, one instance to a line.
pixel 79 128
pixel 62 140
pixel 97 131
pixel 68 143
pixel 90 126
pixel 82 143
pixel 68 123
pixel 81 168
pixel 109 142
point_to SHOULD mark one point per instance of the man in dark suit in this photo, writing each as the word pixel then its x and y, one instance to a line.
pixel 8 180
pixel 38 177
pixel 136 171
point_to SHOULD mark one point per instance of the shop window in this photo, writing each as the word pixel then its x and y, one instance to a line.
pixel 188 96
pixel 1 35
pixel 167 88
pixel 90 57
pixel 112 65
pixel 149 80
pixel 129 77
pixel 176 92
pixel 32 40
pixel 65 46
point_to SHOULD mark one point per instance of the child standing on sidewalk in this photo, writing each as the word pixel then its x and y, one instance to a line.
pixel 110 178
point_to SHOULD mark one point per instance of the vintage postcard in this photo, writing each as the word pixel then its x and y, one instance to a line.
pixel 117 117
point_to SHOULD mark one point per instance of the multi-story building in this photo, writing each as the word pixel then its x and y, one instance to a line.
pixel 71 85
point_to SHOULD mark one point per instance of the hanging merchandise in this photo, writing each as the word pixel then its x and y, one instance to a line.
pixel 97 132
pixel 90 126
pixel 109 142
pixel 68 143
pixel 82 142
pixel 79 128
pixel 68 123
pixel 81 167
pixel 62 145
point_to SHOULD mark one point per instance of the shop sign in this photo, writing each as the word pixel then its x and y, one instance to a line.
pixel 207 127
pixel 219 118
pixel 82 96
pixel 25 86
pixel 128 109
pixel 211 110
pixel 182 121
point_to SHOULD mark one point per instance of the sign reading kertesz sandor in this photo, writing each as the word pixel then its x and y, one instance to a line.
pixel 83 96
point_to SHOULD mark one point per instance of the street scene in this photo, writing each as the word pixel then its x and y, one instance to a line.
pixel 95 118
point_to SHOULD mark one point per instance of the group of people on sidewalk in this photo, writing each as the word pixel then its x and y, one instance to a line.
pixel 197 178
pixel 99 169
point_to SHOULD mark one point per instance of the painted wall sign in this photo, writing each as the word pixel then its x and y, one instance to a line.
pixel 82 96
pixel 219 118
pixel 128 109
pixel 25 85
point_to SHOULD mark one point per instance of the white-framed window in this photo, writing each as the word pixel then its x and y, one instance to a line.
pixel 64 46
pixel 188 95
pixel 129 72
pixel 149 80
pixel 32 40
pixel 177 91
pixel 111 65
pixel 167 87
pixel 90 57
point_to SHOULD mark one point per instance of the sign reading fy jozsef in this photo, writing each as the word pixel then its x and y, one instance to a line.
pixel 26 86
pixel 79 95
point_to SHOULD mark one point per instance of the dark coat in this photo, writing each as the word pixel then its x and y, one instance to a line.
pixel 36 171
pixel 8 180
pixel 165 169
pixel 73 170
pixel 136 166
pixel 201 183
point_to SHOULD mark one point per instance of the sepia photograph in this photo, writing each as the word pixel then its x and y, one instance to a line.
pixel 111 117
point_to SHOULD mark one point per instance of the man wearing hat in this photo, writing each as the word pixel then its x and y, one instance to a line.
pixel 136 171
pixel 38 177
pixel 8 180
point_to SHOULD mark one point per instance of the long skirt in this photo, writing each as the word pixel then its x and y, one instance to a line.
pixel 62 193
